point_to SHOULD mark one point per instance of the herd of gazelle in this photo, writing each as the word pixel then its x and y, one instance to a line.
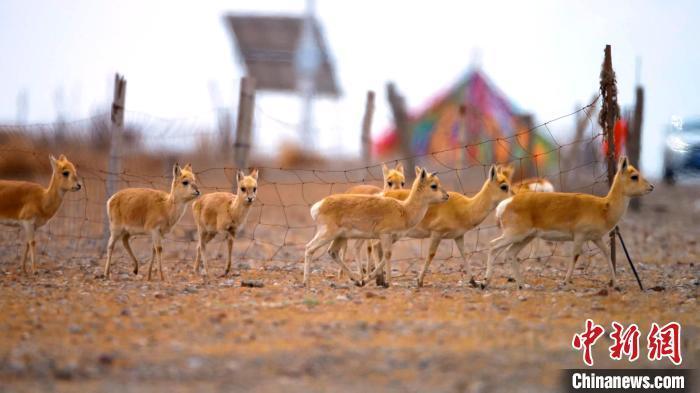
pixel 375 217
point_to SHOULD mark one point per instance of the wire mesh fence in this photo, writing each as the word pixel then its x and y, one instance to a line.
pixel 279 224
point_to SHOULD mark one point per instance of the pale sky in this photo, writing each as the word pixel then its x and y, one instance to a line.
pixel 545 55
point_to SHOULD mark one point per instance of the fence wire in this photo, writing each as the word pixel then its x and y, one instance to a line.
pixel 279 224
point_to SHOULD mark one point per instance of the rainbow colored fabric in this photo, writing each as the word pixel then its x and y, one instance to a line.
pixel 489 116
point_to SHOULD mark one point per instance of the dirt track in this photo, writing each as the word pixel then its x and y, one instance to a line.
pixel 66 330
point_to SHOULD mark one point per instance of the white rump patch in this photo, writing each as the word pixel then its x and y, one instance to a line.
pixel 502 207
pixel 541 185
pixel 314 209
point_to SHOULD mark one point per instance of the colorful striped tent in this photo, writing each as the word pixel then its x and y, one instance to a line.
pixel 490 125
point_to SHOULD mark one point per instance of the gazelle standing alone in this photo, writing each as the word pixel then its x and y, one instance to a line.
pixel 352 216
pixel 30 206
pixel 394 179
pixel 452 219
pixel 223 212
pixel 144 211
pixel 565 217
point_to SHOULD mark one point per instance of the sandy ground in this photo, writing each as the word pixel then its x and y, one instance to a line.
pixel 66 330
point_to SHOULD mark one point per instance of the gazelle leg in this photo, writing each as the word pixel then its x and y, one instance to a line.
pixel 342 252
pixel 386 242
pixel 31 243
pixel 110 250
pixel 495 247
pixel 150 264
pixel 434 243
pixel 127 246
pixel 24 257
pixel 320 239
pixel 157 246
pixel 511 257
pixel 459 242
pixel 229 244
pixel 578 244
pixel 198 256
pixel 359 258
pixel 606 252
pixel 204 240
pixel 334 251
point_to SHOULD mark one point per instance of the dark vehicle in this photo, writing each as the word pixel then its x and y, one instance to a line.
pixel 682 153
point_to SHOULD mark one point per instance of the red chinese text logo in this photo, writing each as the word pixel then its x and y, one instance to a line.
pixel 665 342
pixel 662 342
pixel 586 340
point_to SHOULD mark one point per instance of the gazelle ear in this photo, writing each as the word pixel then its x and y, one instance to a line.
pixel 399 167
pixel 492 172
pixel 188 167
pixel 622 164
pixel 385 170
pixel 254 174
pixel 62 157
pixel 418 170
pixel 239 176
pixel 423 174
pixel 176 170
pixel 52 160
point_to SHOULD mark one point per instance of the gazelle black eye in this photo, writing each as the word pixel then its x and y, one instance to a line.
pixel 504 187
pixel 242 189
pixel 634 177
pixel 389 183
pixel 403 184
pixel 433 186
pixel 255 189
pixel 185 183
pixel 66 173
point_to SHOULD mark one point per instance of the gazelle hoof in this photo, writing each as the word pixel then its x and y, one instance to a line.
pixel 482 285
pixel 136 271
pixel 473 283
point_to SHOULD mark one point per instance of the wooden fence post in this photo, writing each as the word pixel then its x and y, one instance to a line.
pixel 462 138
pixel 398 108
pixel 367 128
pixel 115 153
pixel 634 138
pixel 244 124
pixel 609 113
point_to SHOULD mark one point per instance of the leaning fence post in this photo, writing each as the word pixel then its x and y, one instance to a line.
pixel 634 139
pixel 244 124
pixel 609 113
pixel 116 127
pixel 367 128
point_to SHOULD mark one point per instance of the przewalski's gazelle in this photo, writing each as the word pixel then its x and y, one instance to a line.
pixel 454 218
pixel 223 212
pixel 394 179
pixel 353 216
pixel 144 211
pixel 532 184
pixel 30 206
pixel 561 216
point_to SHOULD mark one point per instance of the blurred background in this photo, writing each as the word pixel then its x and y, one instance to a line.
pixel 183 63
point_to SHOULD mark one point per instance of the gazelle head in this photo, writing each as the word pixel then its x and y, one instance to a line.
pixel 498 183
pixel 394 179
pixel 64 174
pixel 427 186
pixel 247 186
pixel 184 185
pixel 508 171
pixel 631 181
